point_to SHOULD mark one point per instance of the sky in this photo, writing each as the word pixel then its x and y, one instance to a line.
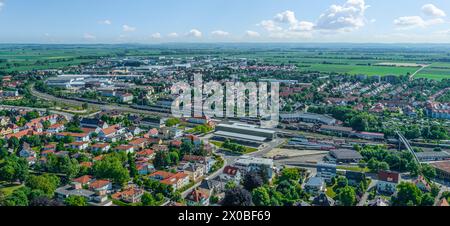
pixel 161 21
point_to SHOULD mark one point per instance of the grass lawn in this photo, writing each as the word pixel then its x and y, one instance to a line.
pixel 354 168
pixel 8 189
pixel 248 150
pixel 330 192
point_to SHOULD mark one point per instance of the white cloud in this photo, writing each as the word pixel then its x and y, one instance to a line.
pixel 286 17
pixel 302 26
pixel 127 28
pixel 220 33
pixel 346 17
pixel 89 37
pixel 270 25
pixel 156 35
pixel 2 3
pixel 252 34
pixel 194 33
pixel 173 35
pixel 105 22
pixel 433 11
pixel 409 22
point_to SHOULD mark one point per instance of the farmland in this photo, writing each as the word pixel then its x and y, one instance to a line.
pixel 336 59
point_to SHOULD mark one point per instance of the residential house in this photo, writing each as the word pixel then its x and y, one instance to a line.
pixel 231 173
pixel 315 185
pixel 177 181
pixel 100 147
pixel 198 197
pixel 129 195
pixel 81 146
pixel 93 123
pixel 126 148
pixel 101 187
pixel 387 181
pixel 139 143
pixel 56 128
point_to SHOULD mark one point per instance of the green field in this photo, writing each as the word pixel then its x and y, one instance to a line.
pixel 359 59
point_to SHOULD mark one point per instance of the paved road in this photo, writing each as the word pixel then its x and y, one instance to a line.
pixel 110 107
pixel 364 198
pixel 211 176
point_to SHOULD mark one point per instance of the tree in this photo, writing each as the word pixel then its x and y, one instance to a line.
pixel 17 198
pixel 253 180
pixel 428 171
pixel 408 195
pixel 75 201
pixel 14 168
pixel 148 200
pixel 112 168
pixel 347 196
pixel 237 197
pixel 44 201
pixel 230 185
pixel 46 183
pixel 427 200
pixel 260 197
pixel 290 174
pixel 13 143
pixel 132 165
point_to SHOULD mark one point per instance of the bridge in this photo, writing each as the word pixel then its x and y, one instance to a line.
pixel 408 146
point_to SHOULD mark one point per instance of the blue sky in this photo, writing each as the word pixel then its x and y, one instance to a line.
pixel 157 21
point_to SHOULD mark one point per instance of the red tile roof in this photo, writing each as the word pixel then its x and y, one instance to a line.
pixel 389 176
pixel 99 184
pixel 83 179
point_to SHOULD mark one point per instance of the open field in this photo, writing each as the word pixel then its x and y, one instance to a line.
pixel 360 59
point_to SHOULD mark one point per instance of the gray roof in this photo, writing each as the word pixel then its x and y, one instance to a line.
pixel 69 191
pixel 311 116
pixel 240 136
pixel 315 182
pixel 346 154
pixel 246 127
pixel 433 154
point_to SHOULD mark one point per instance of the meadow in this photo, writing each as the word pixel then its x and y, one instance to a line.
pixel 326 58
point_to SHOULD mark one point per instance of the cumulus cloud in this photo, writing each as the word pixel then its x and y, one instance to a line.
pixel 220 33
pixel 270 25
pixel 89 37
pixel 173 35
pixel 156 35
pixel 408 22
pixel 252 34
pixel 128 28
pixel 430 10
pixel 105 22
pixel 346 17
pixel 433 11
pixel 349 16
pixel 194 33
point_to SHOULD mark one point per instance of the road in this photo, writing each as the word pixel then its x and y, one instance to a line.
pixel 364 198
pixel 411 77
pixel 211 176
pixel 110 107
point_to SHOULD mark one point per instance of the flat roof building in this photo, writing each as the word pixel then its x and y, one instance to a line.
pixel 308 117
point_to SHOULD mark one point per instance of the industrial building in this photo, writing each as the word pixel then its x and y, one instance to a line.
pixel 243 134
pixel 308 117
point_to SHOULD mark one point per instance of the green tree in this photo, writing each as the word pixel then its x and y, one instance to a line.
pixel 46 183
pixel 148 200
pixel 75 201
pixel 347 196
pixel 260 197
pixel 408 194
